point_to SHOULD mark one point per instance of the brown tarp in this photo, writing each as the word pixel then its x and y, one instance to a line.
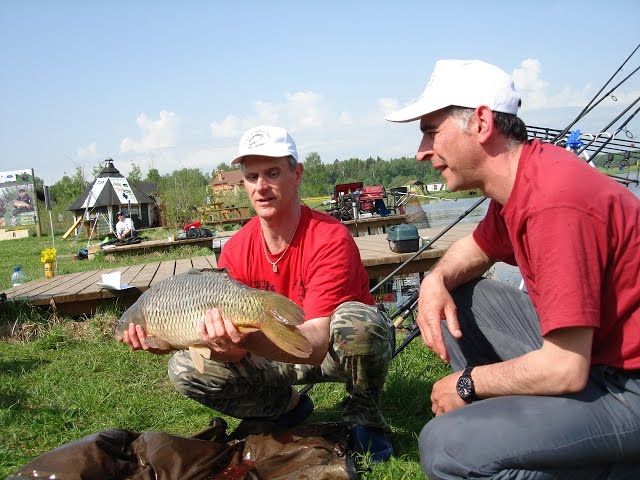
pixel 254 451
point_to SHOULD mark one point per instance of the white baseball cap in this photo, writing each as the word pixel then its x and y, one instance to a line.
pixel 266 141
pixel 464 83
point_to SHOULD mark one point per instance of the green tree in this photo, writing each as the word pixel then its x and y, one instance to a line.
pixel 314 180
pixel 153 176
pixel 135 174
pixel 181 193
pixel 68 188
pixel 223 167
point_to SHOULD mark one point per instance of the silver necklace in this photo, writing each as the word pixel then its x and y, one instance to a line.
pixel 274 265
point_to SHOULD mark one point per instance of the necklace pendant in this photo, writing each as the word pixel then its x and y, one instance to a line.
pixel 275 268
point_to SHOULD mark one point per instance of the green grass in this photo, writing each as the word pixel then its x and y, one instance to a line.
pixel 73 380
pixel 63 378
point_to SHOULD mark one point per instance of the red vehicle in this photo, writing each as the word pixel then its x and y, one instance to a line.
pixel 353 200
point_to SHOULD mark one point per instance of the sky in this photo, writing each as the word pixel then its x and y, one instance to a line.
pixel 174 84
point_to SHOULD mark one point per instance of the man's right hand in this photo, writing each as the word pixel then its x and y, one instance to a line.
pixel 434 305
pixel 135 336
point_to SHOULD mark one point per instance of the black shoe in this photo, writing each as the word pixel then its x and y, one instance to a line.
pixel 293 417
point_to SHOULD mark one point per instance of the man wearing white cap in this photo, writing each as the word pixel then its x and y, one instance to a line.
pixel 312 259
pixel 546 384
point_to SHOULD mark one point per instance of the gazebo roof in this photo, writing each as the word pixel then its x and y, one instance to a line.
pixel 110 188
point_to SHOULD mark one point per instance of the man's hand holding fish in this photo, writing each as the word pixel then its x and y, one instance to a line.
pixel 222 337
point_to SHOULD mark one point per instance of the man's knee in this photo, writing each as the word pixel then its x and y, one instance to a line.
pixel 437 440
pixel 182 373
pixel 360 329
pixel 463 294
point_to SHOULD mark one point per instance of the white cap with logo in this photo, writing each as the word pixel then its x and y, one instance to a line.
pixel 464 83
pixel 266 141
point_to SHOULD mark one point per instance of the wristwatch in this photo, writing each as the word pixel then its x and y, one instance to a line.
pixel 465 387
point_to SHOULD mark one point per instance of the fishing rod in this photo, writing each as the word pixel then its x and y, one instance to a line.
pixel 589 107
pixel 411 194
pixel 626 181
pixel 609 125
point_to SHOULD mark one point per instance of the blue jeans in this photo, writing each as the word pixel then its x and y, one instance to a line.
pixel 593 434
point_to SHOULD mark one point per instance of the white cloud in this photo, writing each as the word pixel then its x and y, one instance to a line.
pixel 160 133
pixel 535 91
pixel 305 110
pixel 297 111
pixel 227 128
pixel 267 114
pixel 232 126
pixel 345 118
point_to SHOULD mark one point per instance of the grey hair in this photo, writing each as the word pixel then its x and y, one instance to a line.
pixel 511 126
pixel 292 162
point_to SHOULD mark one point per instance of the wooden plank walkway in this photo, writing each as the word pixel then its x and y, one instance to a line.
pixel 78 293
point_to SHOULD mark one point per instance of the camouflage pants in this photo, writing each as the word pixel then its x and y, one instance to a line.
pixel 360 349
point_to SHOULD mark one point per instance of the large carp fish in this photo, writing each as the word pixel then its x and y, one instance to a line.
pixel 171 311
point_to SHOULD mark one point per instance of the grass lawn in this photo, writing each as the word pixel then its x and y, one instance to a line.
pixel 63 378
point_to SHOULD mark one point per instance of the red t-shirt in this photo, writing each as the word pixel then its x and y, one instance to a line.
pixel 320 270
pixel 575 235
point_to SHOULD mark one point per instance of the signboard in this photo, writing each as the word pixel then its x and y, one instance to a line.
pixel 123 190
pixel 120 187
pixel 17 199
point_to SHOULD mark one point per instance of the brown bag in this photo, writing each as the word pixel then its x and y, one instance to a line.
pixel 254 451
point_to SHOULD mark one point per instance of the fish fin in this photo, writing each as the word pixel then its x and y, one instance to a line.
pixel 155 342
pixel 282 309
pixel 247 329
pixel 287 337
pixel 198 354
pixel 204 352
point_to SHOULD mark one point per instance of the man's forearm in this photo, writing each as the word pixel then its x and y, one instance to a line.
pixel 463 261
pixel 561 366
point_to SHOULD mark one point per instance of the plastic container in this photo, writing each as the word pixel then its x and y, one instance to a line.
pixel 18 276
pixel 403 238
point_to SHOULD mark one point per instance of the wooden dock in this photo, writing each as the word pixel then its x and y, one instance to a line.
pixel 373 225
pixel 79 294
pixel 380 261
pixel 162 245
pixel 216 214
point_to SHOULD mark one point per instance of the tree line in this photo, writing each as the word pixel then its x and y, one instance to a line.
pixel 182 191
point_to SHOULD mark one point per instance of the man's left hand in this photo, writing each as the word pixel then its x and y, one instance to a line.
pixel 221 336
pixel 444 396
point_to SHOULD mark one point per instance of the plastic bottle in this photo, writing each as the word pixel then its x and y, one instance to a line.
pixel 18 276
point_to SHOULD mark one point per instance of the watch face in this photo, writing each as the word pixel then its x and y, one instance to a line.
pixel 464 387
